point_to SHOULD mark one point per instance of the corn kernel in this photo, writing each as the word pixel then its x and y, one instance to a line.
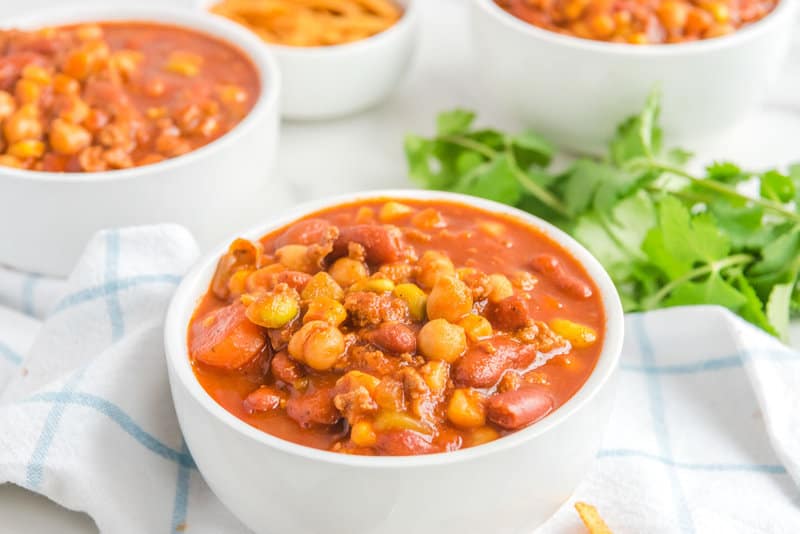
pixel 719 11
pixel 390 420
pixel 89 32
pixel 579 335
pixel 67 138
pixel 360 378
pixel 65 85
pixel 36 74
pixel 184 63
pixel 638 38
pixel 435 373
pixel 482 435
pixel 602 26
pixel 7 160
pixel 232 94
pixel 376 285
pixel 492 228
pixel 237 284
pixel 156 112
pixel 363 435
pixel 391 211
pixel 27 91
pixel 466 409
pixel 28 148
pixel 325 309
pixel 476 327
pixel 7 105
pixel 415 299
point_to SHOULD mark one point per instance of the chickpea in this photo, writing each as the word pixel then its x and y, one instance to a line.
pixel 476 327
pixel 440 340
pixel 363 435
pixel 415 299
pixel 482 435
pixel 126 62
pixel 37 74
pixel 353 379
pixel 432 265
pixel 428 219
pixel 89 32
pixel 76 110
pixel 450 299
pixel 7 160
pixel 232 94
pixel 322 285
pixel 466 409
pixel 317 344
pixel 295 258
pixel 184 63
pixel 602 26
pixel 67 138
pixel 325 309
pixel 719 30
pixel 347 271
pixel 22 125
pixel 237 284
pixel 391 420
pixel 273 310
pixel 492 228
pixel 500 288
pixel 698 21
pixel 7 105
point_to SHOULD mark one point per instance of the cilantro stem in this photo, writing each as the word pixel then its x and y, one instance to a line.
pixel 540 192
pixel 713 267
pixel 722 188
pixel 470 144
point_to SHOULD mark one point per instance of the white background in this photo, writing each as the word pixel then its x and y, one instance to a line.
pixel 365 152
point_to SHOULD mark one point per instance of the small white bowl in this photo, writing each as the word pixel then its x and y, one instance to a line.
pixel 575 90
pixel 325 82
pixel 511 485
pixel 213 190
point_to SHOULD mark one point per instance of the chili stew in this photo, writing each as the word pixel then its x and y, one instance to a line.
pixel 114 95
pixel 389 327
pixel 640 21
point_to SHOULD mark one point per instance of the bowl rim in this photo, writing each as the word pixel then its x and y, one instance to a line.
pixel 782 10
pixel 195 284
pixel 227 31
pixel 405 23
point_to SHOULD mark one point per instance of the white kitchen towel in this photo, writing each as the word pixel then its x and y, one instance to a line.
pixel 705 436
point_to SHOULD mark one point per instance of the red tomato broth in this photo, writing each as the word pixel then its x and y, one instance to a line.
pixel 149 92
pixel 467 245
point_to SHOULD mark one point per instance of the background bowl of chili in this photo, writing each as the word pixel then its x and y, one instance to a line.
pixel 226 181
pixel 571 88
pixel 512 484
pixel 325 82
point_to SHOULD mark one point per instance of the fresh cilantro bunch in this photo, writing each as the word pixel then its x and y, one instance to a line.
pixel 666 236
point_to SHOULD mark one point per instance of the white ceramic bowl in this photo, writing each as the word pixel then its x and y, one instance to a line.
pixel 575 91
pixel 508 486
pixel 326 82
pixel 213 190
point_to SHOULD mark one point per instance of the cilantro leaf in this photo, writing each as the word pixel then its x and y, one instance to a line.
pixel 532 149
pixel 725 172
pixel 777 186
pixel 454 122
pixel 640 135
pixel 713 290
pixel 496 183
pixel 778 308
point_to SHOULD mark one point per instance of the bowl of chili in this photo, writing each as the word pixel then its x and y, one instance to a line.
pixel 337 58
pixel 127 116
pixel 570 69
pixel 395 361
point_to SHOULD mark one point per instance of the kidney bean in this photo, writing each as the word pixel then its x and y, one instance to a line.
pixel 264 399
pixel 382 244
pixel 484 364
pixel 313 408
pixel 404 443
pixel 515 409
pixel 307 232
pixel 393 337
pixel 285 369
pixel 509 314
pixel 551 267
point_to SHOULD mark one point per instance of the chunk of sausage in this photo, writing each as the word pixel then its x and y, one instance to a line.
pixel 404 443
pixel 483 365
pixel 552 267
pixel 225 338
pixel 264 399
pixel 382 244
pixel 513 410
pixel 313 408
pixel 509 314
pixel 393 337
pixel 307 232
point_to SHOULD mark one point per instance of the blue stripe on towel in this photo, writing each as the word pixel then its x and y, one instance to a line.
pixel 28 287
pixel 10 355
pixel 112 299
pixel 660 424
pixel 116 414
pixel 112 287
pixel 772 469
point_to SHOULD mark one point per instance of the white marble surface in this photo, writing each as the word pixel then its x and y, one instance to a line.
pixel 365 152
